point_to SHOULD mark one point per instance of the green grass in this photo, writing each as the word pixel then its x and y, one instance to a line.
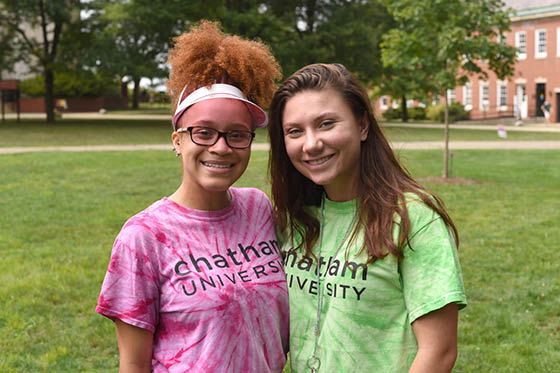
pixel 35 132
pixel 60 213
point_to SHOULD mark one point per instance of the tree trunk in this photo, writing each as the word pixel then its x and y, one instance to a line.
pixel 446 138
pixel 136 92
pixel 404 111
pixel 49 94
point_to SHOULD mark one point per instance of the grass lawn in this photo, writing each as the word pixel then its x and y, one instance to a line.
pixel 35 132
pixel 60 213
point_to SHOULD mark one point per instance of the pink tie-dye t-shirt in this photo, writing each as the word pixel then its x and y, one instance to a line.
pixel 208 284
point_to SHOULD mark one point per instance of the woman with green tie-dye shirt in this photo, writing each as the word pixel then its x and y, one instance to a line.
pixel 371 257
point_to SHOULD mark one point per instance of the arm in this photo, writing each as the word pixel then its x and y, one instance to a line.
pixel 135 348
pixel 436 333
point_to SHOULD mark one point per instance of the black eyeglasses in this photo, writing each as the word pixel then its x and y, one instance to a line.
pixel 206 136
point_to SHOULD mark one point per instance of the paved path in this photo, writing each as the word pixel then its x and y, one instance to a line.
pixel 426 145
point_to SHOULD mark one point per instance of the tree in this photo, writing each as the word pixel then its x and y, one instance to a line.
pixel 439 43
pixel 301 32
pixel 8 55
pixel 333 31
pixel 134 36
pixel 38 27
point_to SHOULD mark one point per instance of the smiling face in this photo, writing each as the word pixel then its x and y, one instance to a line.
pixel 323 139
pixel 208 171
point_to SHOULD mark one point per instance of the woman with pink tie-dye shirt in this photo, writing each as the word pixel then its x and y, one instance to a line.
pixel 195 282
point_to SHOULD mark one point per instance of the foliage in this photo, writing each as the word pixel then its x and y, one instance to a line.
pixel 417 113
pixel 72 84
pixel 392 113
pixel 8 54
pixel 41 30
pixel 456 112
pixel 437 44
pixel 132 37
pixel 320 32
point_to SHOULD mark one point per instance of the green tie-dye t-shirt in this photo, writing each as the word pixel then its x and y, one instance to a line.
pixel 368 308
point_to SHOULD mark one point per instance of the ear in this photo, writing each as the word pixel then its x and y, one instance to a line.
pixel 175 139
pixel 364 128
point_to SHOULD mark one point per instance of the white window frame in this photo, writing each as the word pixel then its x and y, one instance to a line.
pixel 522 49
pixel 538 52
pixel 451 96
pixel 384 101
pixel 395 104
pixel 484 103
pixel 499 86
pixel 558 42
pixel 467 96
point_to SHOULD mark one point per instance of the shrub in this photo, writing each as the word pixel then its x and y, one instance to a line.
pixel 417 113
pixel 456 112
pixel 72 84
pixel 392 113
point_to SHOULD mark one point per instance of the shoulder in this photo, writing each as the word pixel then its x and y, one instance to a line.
pixel 420 215
pixel 251 196
pixel 143 226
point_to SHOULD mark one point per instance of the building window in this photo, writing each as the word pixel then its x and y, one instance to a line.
pixel 484 101
pixel 502 96
pixel 521 44
pixel 384 101
pixel 395 104
pixel 540 43
pixel 558 42
pixel 451 97
pixel 467 96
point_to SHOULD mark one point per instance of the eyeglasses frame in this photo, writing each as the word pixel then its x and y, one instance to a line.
pixel 220 134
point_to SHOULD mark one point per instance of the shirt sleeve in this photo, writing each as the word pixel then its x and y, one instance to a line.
pixel 130 291
pixel 430 270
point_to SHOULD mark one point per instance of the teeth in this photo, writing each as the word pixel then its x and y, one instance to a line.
pixel 216 165
pixel 320 160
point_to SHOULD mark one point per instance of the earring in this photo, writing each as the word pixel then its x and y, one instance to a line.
pixel 175 151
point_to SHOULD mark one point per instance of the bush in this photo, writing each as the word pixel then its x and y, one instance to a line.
pixel 72 84
pixel 456 112
pixel 417 113
pixel 392 113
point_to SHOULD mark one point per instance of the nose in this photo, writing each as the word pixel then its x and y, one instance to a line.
pixel 312 142
pixel 220 147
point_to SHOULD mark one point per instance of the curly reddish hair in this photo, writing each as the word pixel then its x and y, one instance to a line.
pixel 205 55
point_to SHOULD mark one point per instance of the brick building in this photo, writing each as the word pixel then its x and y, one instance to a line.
pixel 535 31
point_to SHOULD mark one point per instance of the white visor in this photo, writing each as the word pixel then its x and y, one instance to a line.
pixel 219 90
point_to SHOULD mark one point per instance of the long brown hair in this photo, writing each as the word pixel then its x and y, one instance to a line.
pixel 383 180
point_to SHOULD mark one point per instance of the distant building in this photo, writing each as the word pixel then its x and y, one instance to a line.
pixel 535 85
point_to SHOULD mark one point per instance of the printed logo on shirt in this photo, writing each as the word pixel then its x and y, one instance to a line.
pixel 202 266
pixel 332 268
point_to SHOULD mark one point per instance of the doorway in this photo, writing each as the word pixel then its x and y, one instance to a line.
pixel 557 107
pixel 541 98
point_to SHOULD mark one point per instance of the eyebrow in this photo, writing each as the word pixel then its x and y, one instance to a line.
pixel 319 118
